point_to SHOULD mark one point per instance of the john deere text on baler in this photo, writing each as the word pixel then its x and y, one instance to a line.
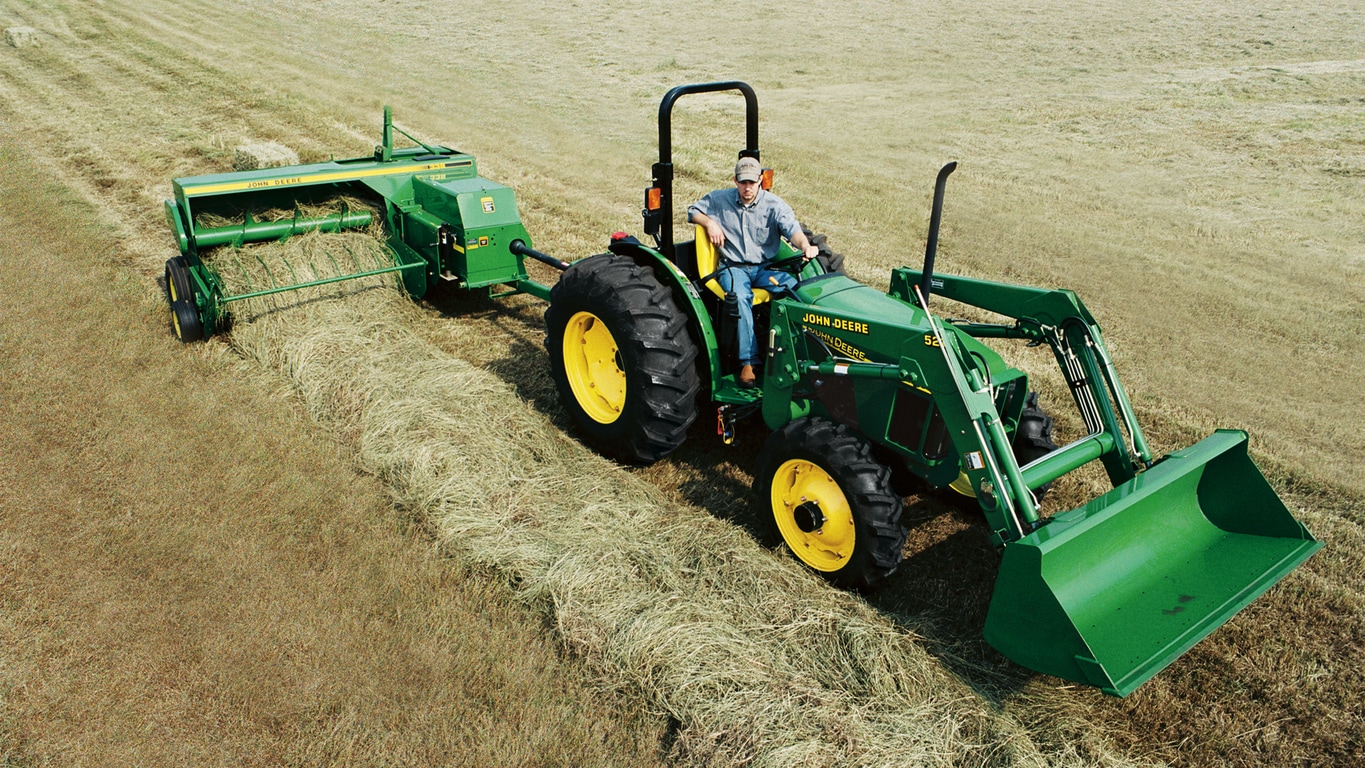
pixel 858 384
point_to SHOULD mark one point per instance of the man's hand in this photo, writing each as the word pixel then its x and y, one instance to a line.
pixel 804 245
pixel 713 232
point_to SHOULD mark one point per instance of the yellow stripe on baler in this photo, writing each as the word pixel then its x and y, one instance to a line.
pixel 314 178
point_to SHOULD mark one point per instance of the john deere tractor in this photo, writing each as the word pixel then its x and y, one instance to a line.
pixel 858 386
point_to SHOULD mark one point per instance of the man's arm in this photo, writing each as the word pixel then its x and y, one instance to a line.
pixel 797 237
pixel 713 231
pixel 803 244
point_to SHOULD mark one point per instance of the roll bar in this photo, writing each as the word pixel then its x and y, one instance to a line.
pixel 658 217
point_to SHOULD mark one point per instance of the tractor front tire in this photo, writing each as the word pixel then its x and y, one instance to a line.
pixel 831 502
pixel 622 358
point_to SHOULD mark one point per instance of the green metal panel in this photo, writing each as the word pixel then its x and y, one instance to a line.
pixel 486 222
pixel 178 226
pixel 1112 592
pixel 860 324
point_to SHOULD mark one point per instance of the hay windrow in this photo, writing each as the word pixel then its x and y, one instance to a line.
pixel 759 662
pixel 301 259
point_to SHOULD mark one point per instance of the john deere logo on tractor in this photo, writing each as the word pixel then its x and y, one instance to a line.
pixel 837 323
pixel 839 345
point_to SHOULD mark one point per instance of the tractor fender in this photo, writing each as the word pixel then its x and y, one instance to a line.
pixel 669 274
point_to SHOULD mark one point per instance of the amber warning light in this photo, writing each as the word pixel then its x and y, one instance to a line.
pixel 767 181
pixel 653 198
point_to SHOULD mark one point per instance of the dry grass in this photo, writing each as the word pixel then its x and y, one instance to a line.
pixel 1192 171
pixel 193 575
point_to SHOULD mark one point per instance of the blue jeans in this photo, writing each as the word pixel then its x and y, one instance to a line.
pixel 742 280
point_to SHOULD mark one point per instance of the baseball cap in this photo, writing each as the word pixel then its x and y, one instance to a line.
pixel 748 169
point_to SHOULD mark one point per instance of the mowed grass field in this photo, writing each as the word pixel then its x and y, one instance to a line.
pixel 1194 171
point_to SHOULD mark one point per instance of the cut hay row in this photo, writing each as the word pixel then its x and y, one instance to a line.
pixel 301 259
pixel 759 662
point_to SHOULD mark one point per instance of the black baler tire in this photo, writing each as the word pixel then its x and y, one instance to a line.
pixel 185 321
pixel 657 356
pixel 847 458
pixel 178 283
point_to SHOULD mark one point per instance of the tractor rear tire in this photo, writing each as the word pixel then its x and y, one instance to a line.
pixel 622 358
pixel 831 261
pixel 831 502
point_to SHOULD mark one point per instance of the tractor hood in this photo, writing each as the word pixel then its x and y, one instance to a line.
pixel 866 325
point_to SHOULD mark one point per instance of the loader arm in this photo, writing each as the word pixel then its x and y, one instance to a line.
pixel 1113 591
pixel 1059 319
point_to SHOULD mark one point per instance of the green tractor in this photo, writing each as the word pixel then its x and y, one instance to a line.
pixel 858 387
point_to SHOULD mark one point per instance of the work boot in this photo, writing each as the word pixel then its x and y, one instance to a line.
pixel 747 379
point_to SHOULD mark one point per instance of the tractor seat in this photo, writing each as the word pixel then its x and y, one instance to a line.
pixel 707 260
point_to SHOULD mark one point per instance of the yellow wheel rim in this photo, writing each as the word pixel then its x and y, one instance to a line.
pixel 593 366
pixel 804 497
pixel 963 485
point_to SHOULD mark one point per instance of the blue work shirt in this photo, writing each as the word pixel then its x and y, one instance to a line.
pixel 752 232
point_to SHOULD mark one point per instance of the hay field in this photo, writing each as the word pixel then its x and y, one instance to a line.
pixel 1192 170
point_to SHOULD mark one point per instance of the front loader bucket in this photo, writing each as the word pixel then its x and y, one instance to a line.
pixel 1110 593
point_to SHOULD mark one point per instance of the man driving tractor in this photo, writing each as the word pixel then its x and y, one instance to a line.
pixel 747 224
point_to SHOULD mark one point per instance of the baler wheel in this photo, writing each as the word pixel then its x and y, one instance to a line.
pixel 178 280
pixel 185 321
pixel 831 502
pixel 622 358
